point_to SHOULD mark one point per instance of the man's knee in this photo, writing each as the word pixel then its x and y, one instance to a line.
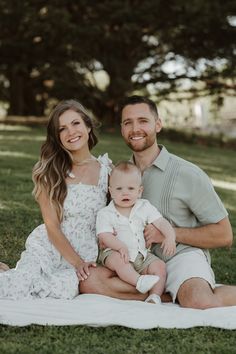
pixel 196 293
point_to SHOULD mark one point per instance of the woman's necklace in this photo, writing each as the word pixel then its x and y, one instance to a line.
pixel 79 163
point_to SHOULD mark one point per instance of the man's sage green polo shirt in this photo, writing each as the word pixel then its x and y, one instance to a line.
pixel 182 192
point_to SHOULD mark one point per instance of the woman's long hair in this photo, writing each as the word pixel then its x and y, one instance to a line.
pixel 50 172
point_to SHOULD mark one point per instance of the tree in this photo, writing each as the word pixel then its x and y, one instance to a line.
pixel 61 45
pixel 30 50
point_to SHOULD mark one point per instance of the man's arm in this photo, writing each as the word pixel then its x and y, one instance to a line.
pixel 207 236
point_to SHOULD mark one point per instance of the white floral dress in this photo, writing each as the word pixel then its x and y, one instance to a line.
pixel 41 271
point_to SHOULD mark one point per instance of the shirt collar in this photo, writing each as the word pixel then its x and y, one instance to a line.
pixel 111 207
pixel 162 159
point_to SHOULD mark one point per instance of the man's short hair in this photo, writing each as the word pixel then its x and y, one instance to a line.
pixel 135 99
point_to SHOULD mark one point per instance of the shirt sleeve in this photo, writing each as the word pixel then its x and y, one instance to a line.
pixel 103 222
pixel 152 213
pixel 203 201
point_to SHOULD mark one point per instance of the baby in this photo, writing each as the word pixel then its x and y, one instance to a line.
pixel 120 227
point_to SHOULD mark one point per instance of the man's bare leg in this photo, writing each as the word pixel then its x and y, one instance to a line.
pixel 197 293
pixel 166 297
pixel 104 282
pixel 226 294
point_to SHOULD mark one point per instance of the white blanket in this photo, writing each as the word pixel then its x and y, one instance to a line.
pixel 98 310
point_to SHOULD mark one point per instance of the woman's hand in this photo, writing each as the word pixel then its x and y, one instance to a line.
pixel 152 235
pixel 82 270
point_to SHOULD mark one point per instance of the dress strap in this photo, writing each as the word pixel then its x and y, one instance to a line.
pixel 106 167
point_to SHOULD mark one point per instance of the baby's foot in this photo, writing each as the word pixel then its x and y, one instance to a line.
pixel 3 267
pixel 146 283
pixel 153 299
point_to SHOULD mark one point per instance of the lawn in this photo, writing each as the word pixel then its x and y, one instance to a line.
pixel 19 214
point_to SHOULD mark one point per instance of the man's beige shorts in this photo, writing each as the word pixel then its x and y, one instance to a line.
pixel 139 263
pixel 187 265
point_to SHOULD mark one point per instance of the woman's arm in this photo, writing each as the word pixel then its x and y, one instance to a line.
pixel 55 233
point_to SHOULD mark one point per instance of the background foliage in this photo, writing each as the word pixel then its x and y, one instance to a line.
pixel 55 50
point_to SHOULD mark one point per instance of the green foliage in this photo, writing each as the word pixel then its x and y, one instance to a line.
pixel 198 138
pixel 19 214
pixel 53 50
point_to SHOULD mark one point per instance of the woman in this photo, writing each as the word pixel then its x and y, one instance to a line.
pixel 70 187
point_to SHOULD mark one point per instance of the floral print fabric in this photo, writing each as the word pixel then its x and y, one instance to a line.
pixel 41 271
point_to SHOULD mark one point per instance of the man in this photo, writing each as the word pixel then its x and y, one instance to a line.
pixel 185 196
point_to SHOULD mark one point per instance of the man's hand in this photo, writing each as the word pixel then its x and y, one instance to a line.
pixel 82 270
pixel 124 253
pixel 152 235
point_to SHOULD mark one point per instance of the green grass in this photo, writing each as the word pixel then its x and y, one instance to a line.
pixel 19 214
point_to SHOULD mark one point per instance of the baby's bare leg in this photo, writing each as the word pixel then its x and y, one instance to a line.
pixel 157 267
pixel 125 271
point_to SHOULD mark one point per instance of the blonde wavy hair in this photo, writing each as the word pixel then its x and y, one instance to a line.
pixel 50 172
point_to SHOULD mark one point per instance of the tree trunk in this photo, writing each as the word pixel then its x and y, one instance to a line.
pixel 22 97
pixel 16 94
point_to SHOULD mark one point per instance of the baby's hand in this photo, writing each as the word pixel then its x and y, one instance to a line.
pixel 152 235
pixel 101 244
pixel 124 253
pixel 168 246
pixel 82 270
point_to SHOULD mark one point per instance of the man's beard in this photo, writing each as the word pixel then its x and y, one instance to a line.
pixel 141 147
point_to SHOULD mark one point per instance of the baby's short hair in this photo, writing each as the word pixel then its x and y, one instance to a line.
pixel 126 167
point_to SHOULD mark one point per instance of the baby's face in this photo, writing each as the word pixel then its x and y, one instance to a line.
pixel 125 188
